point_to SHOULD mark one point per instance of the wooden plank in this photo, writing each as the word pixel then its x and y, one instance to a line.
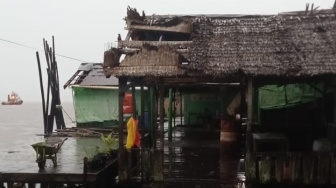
pixel 158 165
pixel 323 168
pixel 251 172
pixel 333 168
pixel 294 164
pixel 280 167
pixel 308 168
pixel 264 169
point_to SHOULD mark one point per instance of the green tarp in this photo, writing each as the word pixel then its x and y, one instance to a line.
pixel 274 96
pixel 95 105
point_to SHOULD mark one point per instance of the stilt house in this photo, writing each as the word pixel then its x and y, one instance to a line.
pixel 289 57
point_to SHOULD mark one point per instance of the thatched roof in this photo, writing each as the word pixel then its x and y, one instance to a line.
pixel 151 61
pixel 280 45
pixel 275 46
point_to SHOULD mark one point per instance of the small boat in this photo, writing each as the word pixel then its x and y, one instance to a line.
pixel 13 99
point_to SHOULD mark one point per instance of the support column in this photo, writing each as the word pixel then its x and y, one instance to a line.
pixel 134 101
pixel 181 105
pixel 152 117
pixel 122 155
pixel 142 112
pixel 170 118
pixel 158 152
pixel 161 106
pixel 249 114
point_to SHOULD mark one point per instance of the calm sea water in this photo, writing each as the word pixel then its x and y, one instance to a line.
pixel 20 124
pixel 19 127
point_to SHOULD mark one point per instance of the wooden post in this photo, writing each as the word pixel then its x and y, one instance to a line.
pixel 142 111
pixel 42 93
pixel 161 105
pixel 249 114
pixel 46 47
pixel 153 117
pixel 134 101
pixel 181 107
pixel 122 160
pixel 170 127
pixel 85 171
pixel 174 108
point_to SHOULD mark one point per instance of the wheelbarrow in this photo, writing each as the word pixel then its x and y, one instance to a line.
pixel 48 150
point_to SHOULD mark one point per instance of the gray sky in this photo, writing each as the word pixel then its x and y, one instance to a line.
pixel 82 28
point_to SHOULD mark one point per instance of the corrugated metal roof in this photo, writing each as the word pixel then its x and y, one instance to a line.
pixel 91 74
pixel 96 77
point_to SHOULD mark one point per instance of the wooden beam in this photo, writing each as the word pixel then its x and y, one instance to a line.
pixel 181 28
pixel 139 44
pixel 128 36
pixel 130 51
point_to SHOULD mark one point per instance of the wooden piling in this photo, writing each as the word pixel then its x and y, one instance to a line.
pixel 42 93
pixel 85 171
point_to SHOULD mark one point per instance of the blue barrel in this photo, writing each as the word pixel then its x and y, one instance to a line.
pixel 145 121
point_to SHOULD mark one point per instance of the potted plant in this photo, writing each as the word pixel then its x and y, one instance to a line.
pixel 95 162
pixel 108 144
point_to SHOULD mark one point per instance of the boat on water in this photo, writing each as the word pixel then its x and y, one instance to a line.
pixel 13 99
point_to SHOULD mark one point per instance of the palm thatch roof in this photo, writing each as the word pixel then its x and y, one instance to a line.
pixel 286 45
pixel 276 46
pixel 151 61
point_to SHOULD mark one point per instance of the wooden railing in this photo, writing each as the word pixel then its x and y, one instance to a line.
pixel 311 168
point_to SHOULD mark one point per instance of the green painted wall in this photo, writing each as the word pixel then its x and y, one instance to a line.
pixel 206 103
pixel 99 105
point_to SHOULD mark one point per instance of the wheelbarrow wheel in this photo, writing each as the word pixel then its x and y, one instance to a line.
pixel 41 164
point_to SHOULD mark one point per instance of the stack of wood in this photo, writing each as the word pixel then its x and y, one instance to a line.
pixel 54 113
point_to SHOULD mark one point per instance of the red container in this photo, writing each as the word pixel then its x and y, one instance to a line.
pixel 128 104
pixel 228 135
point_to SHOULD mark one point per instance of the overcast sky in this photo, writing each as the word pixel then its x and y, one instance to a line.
pixel 82 28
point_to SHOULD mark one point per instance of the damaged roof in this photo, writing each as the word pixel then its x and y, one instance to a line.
pixel 294 44
pixel 91 74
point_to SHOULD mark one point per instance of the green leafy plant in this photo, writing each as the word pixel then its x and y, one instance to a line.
pixel 90 155
pixel 108 142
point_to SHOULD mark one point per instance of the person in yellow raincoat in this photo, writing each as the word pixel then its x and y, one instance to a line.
pixel 133 135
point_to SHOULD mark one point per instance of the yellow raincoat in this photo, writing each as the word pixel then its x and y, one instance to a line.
pixel 133 135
